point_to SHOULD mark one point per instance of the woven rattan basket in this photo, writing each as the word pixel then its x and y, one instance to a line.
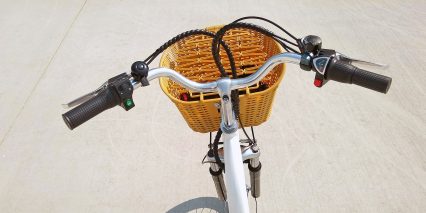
pixel 192 58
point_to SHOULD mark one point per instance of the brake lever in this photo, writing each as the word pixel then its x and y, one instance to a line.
pixel 139 73
pixel 85 98
pixel 361 62
pixel 121 84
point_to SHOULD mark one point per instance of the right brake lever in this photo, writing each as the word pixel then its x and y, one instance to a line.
pixel 360 62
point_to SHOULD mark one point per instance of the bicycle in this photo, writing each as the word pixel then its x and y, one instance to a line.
pixel 306 52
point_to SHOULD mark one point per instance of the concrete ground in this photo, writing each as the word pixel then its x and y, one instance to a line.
pixel 341 148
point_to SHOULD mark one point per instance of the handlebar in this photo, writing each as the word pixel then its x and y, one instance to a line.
pixel 333 69
pixel 110 96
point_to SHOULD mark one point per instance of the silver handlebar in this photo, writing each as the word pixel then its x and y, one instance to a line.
pixel 265 69
pixel 235 83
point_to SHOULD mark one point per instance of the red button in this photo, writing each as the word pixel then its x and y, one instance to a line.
pixel 318 82
pixel 184 97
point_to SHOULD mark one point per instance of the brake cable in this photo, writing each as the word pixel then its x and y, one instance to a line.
pixel 189 33
pixel 276 37
pixel 215 52
pixel 273 23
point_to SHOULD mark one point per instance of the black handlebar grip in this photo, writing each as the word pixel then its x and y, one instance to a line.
pixel 347 73
pixel 106 99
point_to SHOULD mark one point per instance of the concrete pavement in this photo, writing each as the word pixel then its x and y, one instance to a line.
pixel 341 148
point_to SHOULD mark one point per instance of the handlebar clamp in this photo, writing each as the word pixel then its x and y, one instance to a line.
pixel 306 61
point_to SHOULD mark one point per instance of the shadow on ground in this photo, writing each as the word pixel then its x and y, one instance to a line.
pixel 201 204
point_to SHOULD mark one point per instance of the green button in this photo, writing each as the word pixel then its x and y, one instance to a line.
pixel 128 103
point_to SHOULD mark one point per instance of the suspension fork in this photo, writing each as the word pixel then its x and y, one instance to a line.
pixel 254 167
pixel 250 155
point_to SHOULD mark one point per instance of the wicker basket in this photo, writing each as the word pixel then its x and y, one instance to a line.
pixel 192 58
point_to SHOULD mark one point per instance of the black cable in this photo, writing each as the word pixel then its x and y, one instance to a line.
pixel 267 20
pixel 245 133
pixel 285 40
pixel 215 150
pixel 297 44
pixel 222 31
pixel 216 48
pixel 286 47
pixel 276 36
pixel 210 143
pixel 191 33
pixel 215 51
pixel 252 133
pixel 220 34
pixel 186 34
pixel 282 41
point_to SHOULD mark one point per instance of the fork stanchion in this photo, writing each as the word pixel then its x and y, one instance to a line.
pixel 254 167
pixel 217 176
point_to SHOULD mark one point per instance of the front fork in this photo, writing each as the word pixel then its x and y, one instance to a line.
pixel 234 154
pixel 250 154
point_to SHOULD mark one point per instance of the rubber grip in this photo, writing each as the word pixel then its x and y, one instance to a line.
pixel 106 99
pixel 347 73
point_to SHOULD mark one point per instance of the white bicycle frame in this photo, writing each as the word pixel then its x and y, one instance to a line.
pixel 234 176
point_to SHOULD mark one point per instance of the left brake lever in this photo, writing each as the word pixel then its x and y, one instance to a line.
pixel 85 97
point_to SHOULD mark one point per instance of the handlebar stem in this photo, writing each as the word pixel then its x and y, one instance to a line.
pixel 229 124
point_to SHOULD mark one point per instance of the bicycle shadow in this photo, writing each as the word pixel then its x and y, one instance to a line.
pixel 200 204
